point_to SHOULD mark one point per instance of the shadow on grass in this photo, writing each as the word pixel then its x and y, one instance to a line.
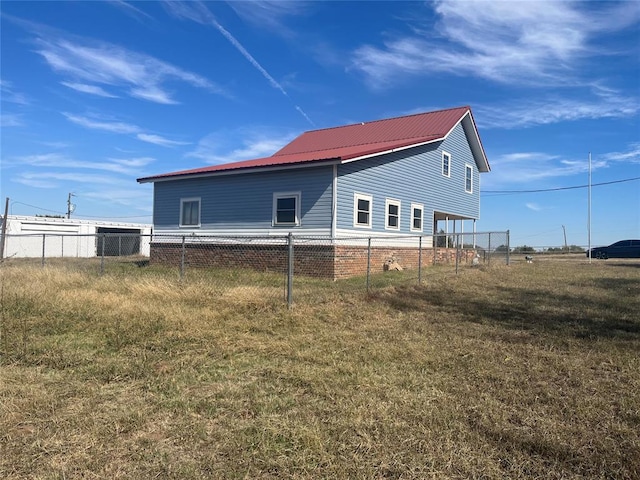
pixel 620 263
pixel 580 316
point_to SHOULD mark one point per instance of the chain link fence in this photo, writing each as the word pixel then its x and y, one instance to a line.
pixel 278 267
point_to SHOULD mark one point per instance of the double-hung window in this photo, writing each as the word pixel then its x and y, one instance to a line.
pixel 362 207
pixel 446 164
pixel 392 208
pixel 416 217
pixel 190 212
pixel 468 178
pixel 286 209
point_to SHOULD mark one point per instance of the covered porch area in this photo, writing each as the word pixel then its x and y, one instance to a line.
pixel 448 228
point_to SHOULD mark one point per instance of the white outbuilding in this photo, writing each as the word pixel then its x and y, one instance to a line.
pixel 33 237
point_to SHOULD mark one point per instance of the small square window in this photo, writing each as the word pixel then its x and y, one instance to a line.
pixel 286 209
pixel 446 164
pixel 190 212
pixel 393 215
pixel 362 210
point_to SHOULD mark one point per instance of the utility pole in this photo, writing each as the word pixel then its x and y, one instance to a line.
pixel 565 237
pixel 589 211
pixel 70 206
pixel 5 220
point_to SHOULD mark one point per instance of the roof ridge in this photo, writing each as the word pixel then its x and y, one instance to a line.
pixel 387 119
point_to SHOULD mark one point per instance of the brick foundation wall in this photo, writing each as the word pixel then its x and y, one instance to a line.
pixel 352 260
pixel 309 260
pixel 323 261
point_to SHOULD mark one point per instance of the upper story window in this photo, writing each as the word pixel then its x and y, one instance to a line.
pixel 362 207
pixel 190 212
pixel 468 178
pixel 392 208
pixel 416 217
pixel 446 164
pixel 286 209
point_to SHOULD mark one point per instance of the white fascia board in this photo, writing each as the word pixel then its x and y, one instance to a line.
pixel 390 151
pixel 476 145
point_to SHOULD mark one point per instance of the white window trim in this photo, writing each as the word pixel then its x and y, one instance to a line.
pixel 387 203
pixel 468 168
pixel 448 174
pixel 277 195
pixel 190 199
pixel 361 196
pixel 421 207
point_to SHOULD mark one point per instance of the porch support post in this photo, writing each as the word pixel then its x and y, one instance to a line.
pixel 474 233
pixel 446 232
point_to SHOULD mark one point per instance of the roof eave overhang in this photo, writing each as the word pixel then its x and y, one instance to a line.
pixel 241 170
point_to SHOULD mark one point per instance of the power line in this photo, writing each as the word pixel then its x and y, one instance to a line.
pixel 557 189
pixel 82 216
pixel 39 208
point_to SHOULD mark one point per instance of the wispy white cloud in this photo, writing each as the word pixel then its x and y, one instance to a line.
pixel 101 189
pixel 135 162
pixel 9 94
pixel 89 65
pixel 632 155
pixel 158 140
pixel 92 89
pixel 112 127
pixel 513 170
pixel 58 144
pixel 533 206
pixel 270 14
pixel 122 128
pixel 198 12
pixel 533 43
pixel 43 179
pixel 11 120
pixel 137 198
pixel 543 111
pixel 130 10
pixel 222 147
pixel 130 166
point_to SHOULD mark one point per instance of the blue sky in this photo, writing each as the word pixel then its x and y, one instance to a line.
pixel 95 95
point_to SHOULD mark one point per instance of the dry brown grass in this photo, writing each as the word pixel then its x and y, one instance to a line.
pixel 528 371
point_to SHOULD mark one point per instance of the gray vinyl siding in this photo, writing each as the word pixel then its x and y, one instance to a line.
pixel 245 201
pixel 411 176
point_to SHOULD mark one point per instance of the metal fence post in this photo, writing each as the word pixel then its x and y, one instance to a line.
pixel 508 247
pixel 102 254
pixel 457 253
pixel 290 270
pixel 62 245
pixel 489 249
pixel 368 263
pixel 119 245
pixel 44 237
pixel 420 260
pixel 182 254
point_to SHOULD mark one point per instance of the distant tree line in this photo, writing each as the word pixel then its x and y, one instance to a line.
pixel 528 249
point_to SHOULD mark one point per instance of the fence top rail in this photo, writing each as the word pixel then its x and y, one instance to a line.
pixel 255 237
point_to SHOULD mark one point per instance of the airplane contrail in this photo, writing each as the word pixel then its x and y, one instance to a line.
pixel 199 13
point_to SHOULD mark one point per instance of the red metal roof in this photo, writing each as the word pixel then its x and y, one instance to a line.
pixel 348 142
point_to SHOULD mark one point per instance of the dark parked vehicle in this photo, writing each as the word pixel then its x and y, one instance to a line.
pixel 621 249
